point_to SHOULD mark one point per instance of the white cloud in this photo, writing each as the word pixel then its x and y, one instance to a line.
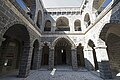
pixel 61 3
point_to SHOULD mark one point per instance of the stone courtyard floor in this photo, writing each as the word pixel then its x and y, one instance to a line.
pixel 60 74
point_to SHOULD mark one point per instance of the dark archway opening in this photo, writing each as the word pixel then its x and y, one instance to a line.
pixel 12 48
pixel 62 55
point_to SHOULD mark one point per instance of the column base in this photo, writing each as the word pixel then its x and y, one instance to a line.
pixel 22 75
pixel 105 71
pixel 75 68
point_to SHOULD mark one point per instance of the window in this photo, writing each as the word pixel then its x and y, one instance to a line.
pixel 47 25
pixel 62 24
pixel 77 25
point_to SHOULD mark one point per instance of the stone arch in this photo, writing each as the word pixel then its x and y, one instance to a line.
pixel 113 50
pixel 92 45
pixel 66 38
pixel 10 24
pixel 39 18
pixel 35 55
pixel 77 25
pixel 47 25
pixel 87 20
pixel 62 53
pixel 16 36
pixel 111 36
pixel 62 24
pixel 103 31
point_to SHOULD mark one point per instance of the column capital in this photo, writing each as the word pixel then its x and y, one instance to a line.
pixel 51 47
pixel 88 49
pixel 41 43
pixel 100 47
pixel 75 47
pixel 1 39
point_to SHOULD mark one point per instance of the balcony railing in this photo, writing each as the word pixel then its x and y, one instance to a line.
pixel 62 28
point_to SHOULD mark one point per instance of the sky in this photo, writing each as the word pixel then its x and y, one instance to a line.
pixel 61 3
pixel 106 3
pixel 21 3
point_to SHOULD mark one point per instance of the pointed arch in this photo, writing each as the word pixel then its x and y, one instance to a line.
pixel 69 41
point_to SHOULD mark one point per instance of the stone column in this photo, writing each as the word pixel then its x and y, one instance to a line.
pixel 103 62
pixel 51 58
pixel 36 60
pixel 53 27
pixel 2 68
pixel 26 60
pixel 89 60
pixel 40 57
pixel 74 58
pixel 71 26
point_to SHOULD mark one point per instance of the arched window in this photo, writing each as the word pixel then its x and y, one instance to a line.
pixel 87 21
pixel 47 25
pixel 39 19
pixel 62 24
pixel 77 25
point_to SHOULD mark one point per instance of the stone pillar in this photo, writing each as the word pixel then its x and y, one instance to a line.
pixel 40 57
pixel 26 60
pixel 53 27
pixel 2 68
pixel 74 58
pixel 103 62
pixel 89 60
pixel 71 26
pixel 36 60
pixel 51 58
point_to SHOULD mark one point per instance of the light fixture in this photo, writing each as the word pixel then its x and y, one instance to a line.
pixel 118 74
pixel 61 50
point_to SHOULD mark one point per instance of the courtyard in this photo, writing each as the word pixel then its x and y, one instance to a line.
pixel 61 73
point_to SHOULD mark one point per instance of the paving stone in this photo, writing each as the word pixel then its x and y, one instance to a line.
pixel 59 75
